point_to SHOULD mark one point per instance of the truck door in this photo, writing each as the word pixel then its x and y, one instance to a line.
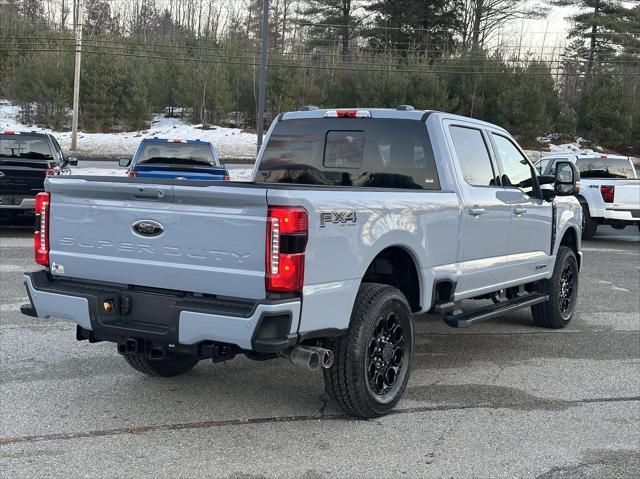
pixel 531 216
pixel 484 236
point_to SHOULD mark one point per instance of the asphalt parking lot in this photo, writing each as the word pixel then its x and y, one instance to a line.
pixel 503 399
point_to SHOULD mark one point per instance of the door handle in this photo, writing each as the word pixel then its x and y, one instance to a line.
pixel 519 211
pixel 476 211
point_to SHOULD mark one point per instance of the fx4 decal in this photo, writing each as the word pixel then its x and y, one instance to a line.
pixel 337 218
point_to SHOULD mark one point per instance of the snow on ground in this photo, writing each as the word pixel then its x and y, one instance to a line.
pixel 229 142
pixel 235 174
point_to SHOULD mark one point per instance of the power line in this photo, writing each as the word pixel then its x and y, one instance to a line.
pixel 390 70
pixel 410 28
pixel 168 49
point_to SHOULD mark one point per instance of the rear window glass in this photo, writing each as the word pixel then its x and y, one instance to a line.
pixel 183 154
pixel 356 152
pixel 25 146
pixel 344 149
pixel 605 168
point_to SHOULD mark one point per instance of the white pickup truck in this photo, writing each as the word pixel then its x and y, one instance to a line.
pixel 609 189
pixel 355 219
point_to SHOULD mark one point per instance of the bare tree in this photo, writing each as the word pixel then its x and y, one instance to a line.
pixel 482 18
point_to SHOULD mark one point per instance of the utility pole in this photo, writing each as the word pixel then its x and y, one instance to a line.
pixel 76 78
pixel 263 69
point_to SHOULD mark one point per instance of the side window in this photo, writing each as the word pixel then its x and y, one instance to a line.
pixel 473 156
pixel 56 149
pixel 541 166
pixel 515 167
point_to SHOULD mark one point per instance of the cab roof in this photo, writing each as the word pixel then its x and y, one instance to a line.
pixel 30 133
pixel 155 139
pixel 403 112
pixel 583 155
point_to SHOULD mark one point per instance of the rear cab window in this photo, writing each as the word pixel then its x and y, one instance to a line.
pixel 175 154
pixel 350 152
pixel 25 146
pixel 606 168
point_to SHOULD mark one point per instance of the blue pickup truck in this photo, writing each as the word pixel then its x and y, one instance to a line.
pixel 175 159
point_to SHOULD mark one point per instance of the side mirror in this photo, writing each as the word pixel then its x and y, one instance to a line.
pixel 124 162
pixel 72 160
pixel 567 179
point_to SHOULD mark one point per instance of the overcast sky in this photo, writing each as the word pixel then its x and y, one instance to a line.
pixel 545 33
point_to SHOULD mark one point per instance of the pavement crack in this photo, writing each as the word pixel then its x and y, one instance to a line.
pixel 7 440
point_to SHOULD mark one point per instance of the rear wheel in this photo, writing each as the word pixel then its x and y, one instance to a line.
pixel 373 360
pixel 562 289
pixel 179 364
pixel 589 225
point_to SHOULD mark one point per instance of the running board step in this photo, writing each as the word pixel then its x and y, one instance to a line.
pixel 463 320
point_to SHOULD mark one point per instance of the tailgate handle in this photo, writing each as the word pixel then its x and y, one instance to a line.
pixel 157 196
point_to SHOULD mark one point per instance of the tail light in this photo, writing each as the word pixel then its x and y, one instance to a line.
pixel 41 235
pixel 607 192
pixel 286 241
pixel 226 178
pixel 50 172
pixel 132 174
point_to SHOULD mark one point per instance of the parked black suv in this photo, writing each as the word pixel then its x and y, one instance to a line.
pixel 26 159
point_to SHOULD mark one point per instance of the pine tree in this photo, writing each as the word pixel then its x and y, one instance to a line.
pixel 427 25
pixel 607 28
pixel 333 20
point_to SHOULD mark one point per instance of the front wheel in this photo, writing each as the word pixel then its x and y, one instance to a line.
pixel 167 367
pixel 373 360
pixel 562 289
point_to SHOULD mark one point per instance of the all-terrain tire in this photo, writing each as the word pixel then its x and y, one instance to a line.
pixel 161 367
pixel 556 313
pixel 380 338
pixel 589 225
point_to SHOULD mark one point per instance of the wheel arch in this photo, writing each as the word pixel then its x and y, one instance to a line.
pixel 398 266
pixel 571 239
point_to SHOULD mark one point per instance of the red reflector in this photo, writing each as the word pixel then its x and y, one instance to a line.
pixel 50 172
pixel 285 263
pixel 41 235
pixel 132 174
pixel 226 178
pixel 607 192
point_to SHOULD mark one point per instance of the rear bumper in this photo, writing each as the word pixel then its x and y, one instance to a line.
pixel 630 215
pixel 25 204
pixel 164 318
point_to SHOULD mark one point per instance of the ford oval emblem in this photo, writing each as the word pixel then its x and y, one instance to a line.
pixel 147 228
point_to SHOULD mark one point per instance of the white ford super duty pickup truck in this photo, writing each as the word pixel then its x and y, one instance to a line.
pixel 355 220
pixel 609 189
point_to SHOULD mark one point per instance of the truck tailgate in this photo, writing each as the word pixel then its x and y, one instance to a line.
pixel 212 239
pixel 22 176
pixel 627 194
pixel 210 173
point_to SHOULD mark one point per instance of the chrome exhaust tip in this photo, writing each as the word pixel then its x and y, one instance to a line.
pixel 326 356
pixel 303 357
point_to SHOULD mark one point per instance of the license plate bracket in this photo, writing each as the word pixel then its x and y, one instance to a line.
pixel 139 314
